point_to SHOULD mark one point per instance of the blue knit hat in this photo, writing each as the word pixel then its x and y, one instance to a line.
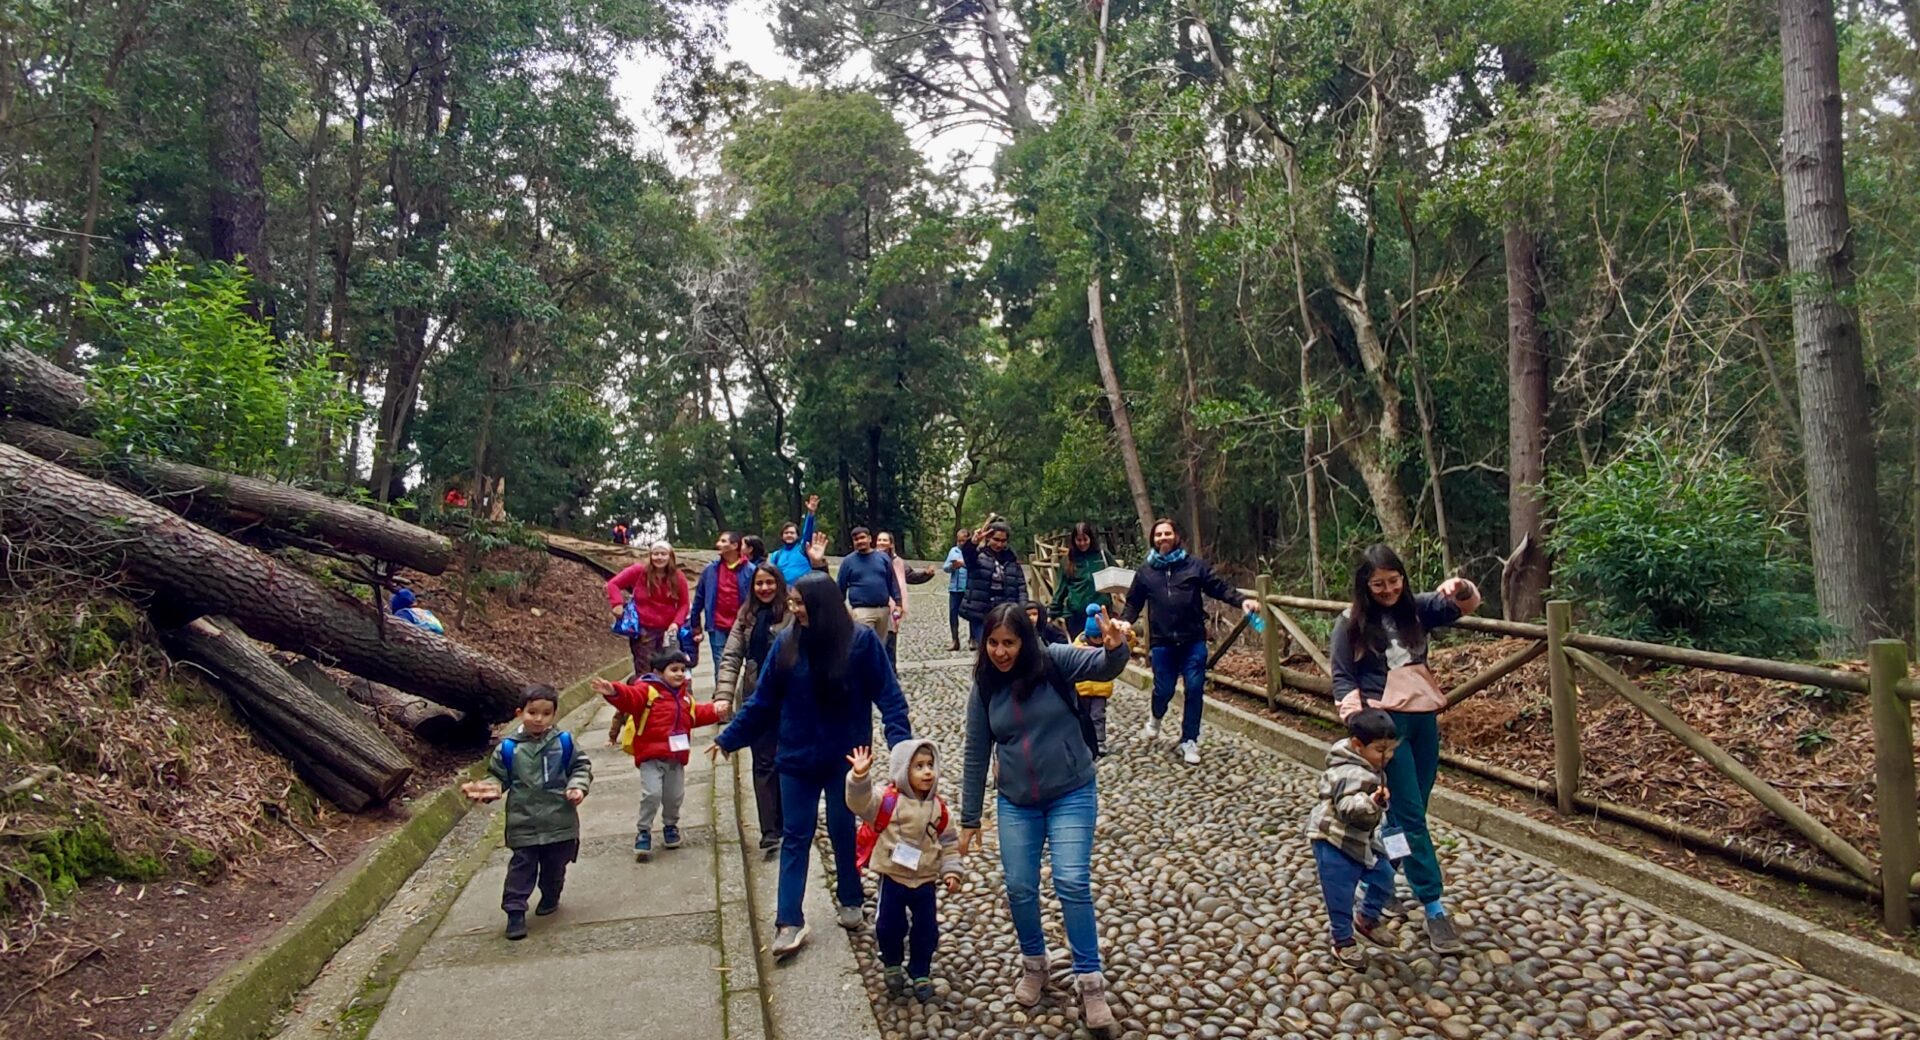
pixel 1093 622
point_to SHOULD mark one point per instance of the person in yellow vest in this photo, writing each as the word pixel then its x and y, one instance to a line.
pixel 1094 693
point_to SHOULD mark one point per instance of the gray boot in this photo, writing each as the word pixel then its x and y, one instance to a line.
pixel 1094 1011
pixel 1033 979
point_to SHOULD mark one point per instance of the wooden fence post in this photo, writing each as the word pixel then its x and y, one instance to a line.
pixel 1269 639
pixel 1893 783
pixel 1566 704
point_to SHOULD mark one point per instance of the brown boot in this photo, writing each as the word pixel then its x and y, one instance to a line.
pixel 1033 979
pixel 1094 1011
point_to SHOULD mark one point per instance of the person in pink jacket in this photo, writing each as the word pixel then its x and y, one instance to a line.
pixel 660 597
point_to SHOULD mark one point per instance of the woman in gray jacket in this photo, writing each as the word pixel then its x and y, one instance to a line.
pixel 1024 711
pixel 762 617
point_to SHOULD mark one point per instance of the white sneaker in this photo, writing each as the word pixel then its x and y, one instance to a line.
pixel 1151 729
pixel 1190 750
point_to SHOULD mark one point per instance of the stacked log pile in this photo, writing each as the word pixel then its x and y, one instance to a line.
pixel 193 545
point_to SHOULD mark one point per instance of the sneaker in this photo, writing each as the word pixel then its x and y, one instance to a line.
pixel 643 847
pixel 788 939
pixel 769 847
pixel 548 904
pixel 1375 933
pixel 1443 936
pixel 896 977
pixel 923 990
pixel 517 924
pixel 851 918
pixel 1350 954
pixel 1190 750
pixel 1151 729
pixel 671 836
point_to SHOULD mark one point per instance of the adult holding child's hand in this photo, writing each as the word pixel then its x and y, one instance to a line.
pixel 822 680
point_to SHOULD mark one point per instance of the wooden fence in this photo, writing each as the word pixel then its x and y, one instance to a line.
pixel 1572 656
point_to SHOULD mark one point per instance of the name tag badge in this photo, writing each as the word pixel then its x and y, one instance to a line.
pixel 1397 847
pixel 906 855
pixel 678 742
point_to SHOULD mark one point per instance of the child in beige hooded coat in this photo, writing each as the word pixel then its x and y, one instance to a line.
pixel 916 846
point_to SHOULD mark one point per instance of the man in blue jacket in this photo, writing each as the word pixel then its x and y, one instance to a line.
pixel 791 558
pixel 723 586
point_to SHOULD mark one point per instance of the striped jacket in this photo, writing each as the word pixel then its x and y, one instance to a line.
pixel 1346 816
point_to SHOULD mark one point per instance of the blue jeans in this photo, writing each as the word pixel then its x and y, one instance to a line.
pixel 1188 662
pixel 1339 873
pixel 903 910
pixel 1066 825
pixel 1410 775
pixel 799 815
pixel 716 642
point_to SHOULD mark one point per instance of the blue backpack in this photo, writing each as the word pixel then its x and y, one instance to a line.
pixel 566 754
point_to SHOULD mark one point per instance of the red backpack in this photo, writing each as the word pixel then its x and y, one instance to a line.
pixel 869 833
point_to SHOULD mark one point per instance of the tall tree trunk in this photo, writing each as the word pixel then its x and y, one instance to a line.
pixel 1842 500
pixel 1429 449
pixel 1117 404
pixel 1524 586
pixel 1193 452
pixel 237 223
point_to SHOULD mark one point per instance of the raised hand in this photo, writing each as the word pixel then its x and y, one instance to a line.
pixel 601 687
pixel 861 759
pixel 813 503
pixel 817 549
pixel 1113 633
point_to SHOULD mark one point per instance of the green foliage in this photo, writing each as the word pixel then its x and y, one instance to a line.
pixel 61 860
pixel 1680 548
pixel 185 372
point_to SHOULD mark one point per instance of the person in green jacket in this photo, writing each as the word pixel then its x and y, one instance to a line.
pixel 544 778
pixel 1082 560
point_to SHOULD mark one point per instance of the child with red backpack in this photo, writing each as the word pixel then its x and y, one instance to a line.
pixel 662 716
pixel 909 836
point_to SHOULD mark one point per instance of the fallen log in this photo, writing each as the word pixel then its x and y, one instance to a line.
pixel 313 730
pixel 53 513
pixel 227 501
pixel 32 387
pixel 434 723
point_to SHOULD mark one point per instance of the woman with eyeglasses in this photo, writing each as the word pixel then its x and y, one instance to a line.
pixel 1379 657
pixel 994 574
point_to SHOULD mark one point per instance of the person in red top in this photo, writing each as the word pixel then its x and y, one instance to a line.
pixel 664 718
pixel 659 594
pixel 717 596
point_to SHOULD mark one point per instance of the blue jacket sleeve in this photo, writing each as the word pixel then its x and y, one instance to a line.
pixel 1435 610
pixel 973 776
pixel 694 612
pixel 842 576
pixel 887 695
pixel 1340 656
pixel 806 532
pixel 762 708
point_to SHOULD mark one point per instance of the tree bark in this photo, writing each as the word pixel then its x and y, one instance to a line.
pixel 225 501
pixel 1527 404
pixel 431 722
pixel 316 729
pixel 31 387
pixel 1122 423
pixel 1842 500
pixel 237 196
pixel 50 512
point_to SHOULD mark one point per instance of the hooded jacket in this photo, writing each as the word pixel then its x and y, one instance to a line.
pixel 915 820
pixel 1346 816
pixel 659 711
pixel 1036 738
pixel 538 812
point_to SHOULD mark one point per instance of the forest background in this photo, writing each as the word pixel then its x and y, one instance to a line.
pixel 1512 285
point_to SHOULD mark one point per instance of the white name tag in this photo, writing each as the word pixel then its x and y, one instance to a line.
pixel 680 742
pixel 906 855
pixel 1397 847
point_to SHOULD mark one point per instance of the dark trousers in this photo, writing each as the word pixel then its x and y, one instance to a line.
pixel 1340 874
pixel 800 795
pixel 953 614
pixel 893 648
pixel 542 865
pixel 905 926
pixel 766 788
pixel 1185 663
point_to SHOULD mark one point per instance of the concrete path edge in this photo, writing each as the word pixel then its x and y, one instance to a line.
pixel 242 1003
pixel 1880 973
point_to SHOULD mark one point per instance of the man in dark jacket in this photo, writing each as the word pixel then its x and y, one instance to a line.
pixel 1174 584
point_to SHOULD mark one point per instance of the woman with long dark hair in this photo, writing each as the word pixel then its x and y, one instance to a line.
pixel 824 677
pixel 1025 713
pixel 761 620
pixel 1174 583
pixel 1079 562
pixel 1379 658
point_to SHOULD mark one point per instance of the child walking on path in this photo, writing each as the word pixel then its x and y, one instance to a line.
pixel 1344 827
pixel 1094 693
pixel 915 845
pixel 544 779
pixel 664 716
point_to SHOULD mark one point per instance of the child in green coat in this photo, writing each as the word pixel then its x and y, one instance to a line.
pixel 544 778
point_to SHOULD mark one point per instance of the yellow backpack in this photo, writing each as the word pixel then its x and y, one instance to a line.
pixel 631 729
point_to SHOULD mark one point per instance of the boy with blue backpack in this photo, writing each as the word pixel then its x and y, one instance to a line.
pixel 544 778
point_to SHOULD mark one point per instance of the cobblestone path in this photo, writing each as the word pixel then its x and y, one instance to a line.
pixel 1212 925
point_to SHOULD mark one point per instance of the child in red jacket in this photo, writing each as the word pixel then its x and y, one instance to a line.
pixel 664 717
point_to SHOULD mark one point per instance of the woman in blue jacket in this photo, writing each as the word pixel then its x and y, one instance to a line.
pixel 1025 713
pixel 822 680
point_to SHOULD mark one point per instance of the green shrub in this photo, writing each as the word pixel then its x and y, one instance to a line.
pixel 1681 549
pixel 60 860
